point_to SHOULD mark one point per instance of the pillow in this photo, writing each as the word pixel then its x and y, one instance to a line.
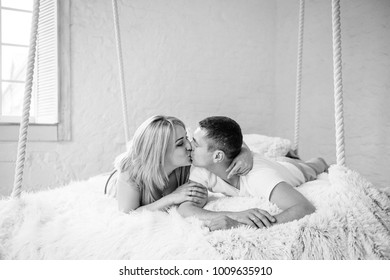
pixel 267 146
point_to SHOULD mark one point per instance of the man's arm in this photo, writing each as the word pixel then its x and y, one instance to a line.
pixel 242 163
pixel 294 205
pixel 253 217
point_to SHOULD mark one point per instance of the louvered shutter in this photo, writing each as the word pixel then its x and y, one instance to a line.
pixel 46 70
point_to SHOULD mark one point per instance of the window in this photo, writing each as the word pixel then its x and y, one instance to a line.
pixel 15 38
pixel 50 105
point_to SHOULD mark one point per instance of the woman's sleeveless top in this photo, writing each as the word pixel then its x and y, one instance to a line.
pixel 182 175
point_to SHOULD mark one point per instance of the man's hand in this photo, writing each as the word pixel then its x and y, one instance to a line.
pixel 241 164
pixel 253 217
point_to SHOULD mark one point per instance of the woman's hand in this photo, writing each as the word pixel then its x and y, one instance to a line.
pixel 241 164
pixel 192 192
pixel 222 222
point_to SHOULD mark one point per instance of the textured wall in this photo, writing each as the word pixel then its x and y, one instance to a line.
pixel 366 78
pixel 193 59
pixel 190 59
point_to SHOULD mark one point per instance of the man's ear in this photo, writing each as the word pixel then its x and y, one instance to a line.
pixel 218 156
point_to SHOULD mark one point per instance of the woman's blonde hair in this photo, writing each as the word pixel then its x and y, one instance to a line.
pixel 145 157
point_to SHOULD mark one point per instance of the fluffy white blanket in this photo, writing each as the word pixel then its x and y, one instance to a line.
pixel 352 221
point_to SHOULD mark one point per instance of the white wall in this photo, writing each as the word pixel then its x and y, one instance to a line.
pixel 366 77
pixel 192 59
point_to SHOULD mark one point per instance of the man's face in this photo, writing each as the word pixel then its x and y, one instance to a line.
pixel 200 155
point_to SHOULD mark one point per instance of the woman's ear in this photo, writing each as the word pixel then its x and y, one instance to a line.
pixel 218 156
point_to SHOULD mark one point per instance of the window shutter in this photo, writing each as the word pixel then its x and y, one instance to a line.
pixel 46 70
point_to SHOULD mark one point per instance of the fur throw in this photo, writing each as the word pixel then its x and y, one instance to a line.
pixel 77 221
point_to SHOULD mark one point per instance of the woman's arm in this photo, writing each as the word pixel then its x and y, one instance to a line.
pixel 129 196
pixel 162 204
pixel 242 164
pixel 129 199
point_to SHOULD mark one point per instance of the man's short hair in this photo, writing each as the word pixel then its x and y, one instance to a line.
pixel 225 135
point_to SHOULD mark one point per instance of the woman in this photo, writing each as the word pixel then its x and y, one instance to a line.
pixel 153 174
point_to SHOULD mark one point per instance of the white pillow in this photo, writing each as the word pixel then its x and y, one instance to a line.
pixel 270 147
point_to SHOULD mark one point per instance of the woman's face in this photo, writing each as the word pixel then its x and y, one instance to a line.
pixel 179 149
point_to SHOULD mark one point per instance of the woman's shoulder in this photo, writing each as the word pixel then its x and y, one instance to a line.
pixel 123 179
pixel 123 175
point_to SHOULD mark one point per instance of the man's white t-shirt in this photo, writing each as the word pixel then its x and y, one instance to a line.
pixel 259 182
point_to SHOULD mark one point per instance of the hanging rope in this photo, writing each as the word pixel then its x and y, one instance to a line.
pixel 121 71
pixel 299 75
pixel 20 160
pixel 338 83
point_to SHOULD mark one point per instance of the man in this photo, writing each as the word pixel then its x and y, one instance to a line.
pixel 215 143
